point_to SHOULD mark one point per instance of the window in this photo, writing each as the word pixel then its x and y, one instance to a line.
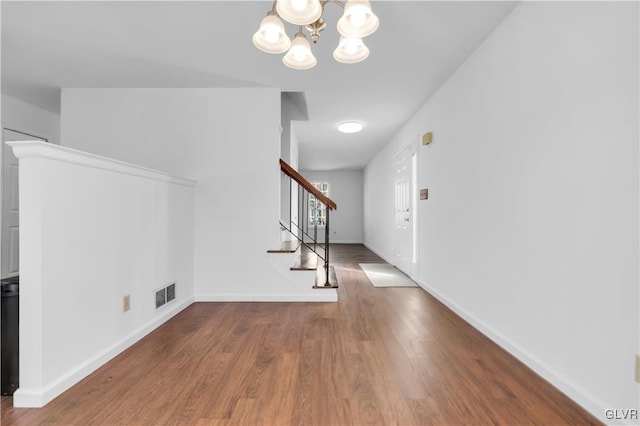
pixel 317 211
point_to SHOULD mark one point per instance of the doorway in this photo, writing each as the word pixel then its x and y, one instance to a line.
pixel 10 230
pixel 405 183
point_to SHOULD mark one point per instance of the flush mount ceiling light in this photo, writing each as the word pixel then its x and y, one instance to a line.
pixel 350 127
pixel 357 21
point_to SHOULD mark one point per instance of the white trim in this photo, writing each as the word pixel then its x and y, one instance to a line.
pixel 40 397
pixel 27 132
pixel 331 241
pixel 317 295
pixel 415 213
pixel 589 402
pixel 37 149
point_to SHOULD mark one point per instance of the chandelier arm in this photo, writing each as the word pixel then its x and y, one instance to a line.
pixel 338 2
pixel 346 52
pixel 322 3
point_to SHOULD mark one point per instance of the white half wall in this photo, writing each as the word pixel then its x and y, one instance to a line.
pixel 226 139
pixel 345 188
pixel 94 230
pixel 24 117
pixel 531 230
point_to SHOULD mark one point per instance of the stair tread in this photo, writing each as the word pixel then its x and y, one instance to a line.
pixel 287 247
pixel 320 278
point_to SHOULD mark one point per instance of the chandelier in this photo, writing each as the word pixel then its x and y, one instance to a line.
pixel 357 22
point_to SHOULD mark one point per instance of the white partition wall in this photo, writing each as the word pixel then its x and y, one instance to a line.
pixel 229 141
pixel 94 230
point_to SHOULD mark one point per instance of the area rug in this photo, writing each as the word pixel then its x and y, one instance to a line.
pixel 385 275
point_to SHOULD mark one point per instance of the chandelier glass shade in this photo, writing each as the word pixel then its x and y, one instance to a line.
pixel 299 12
pixel 357 21
pixel 351 50
pixel 271 37
pixel 299 56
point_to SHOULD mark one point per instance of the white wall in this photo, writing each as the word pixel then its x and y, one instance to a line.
pixel 289 153
pixel 293 108
pixel 226 139
pixel 295 148
pixel 93 231
pixel 19 115
pixel 378 199
pixel 531 229
pixel 345 188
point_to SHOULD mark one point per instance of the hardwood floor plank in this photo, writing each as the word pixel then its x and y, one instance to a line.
pixel 380 356
pixel 278 405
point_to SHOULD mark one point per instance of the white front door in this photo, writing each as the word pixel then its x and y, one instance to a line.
pixel 403 210
pixel 10 225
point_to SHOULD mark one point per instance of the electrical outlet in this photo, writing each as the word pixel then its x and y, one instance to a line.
pixel 126 303
pixel 638 368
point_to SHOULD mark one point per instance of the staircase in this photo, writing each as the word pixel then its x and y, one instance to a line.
pixel 313 246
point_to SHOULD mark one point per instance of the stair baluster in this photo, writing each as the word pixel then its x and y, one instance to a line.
pixel 300 229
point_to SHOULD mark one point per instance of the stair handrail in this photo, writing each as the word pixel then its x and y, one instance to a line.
pixel 293 174
pixel 301 227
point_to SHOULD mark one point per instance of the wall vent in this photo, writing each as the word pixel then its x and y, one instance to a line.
pixel 165 295
pixel 171 292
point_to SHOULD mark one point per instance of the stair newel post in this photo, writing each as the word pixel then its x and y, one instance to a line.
pixel 306 208
pixel 290 203
pixel 300 210
pixel 305 222
pixel 326 247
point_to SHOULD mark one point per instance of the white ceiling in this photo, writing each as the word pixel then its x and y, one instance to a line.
pixel 49 45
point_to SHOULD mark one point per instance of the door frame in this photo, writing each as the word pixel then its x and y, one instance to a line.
pixel 413 191
pixel 415 203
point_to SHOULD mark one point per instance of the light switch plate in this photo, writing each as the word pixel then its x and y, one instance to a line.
pixel 126 303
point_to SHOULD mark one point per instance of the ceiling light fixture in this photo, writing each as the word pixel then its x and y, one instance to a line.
pixel 357 22
pixel 350 127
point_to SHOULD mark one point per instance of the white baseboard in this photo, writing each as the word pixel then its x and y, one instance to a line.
pixel 318 295
pixel 337 242
pixel 587 401
pixel 40 397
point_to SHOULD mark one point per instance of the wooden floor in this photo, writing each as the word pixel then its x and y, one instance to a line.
pixel 379 356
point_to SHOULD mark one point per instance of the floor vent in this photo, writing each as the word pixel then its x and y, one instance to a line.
pixel 165 295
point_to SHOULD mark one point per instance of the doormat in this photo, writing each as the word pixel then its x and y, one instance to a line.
pixel 385 275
